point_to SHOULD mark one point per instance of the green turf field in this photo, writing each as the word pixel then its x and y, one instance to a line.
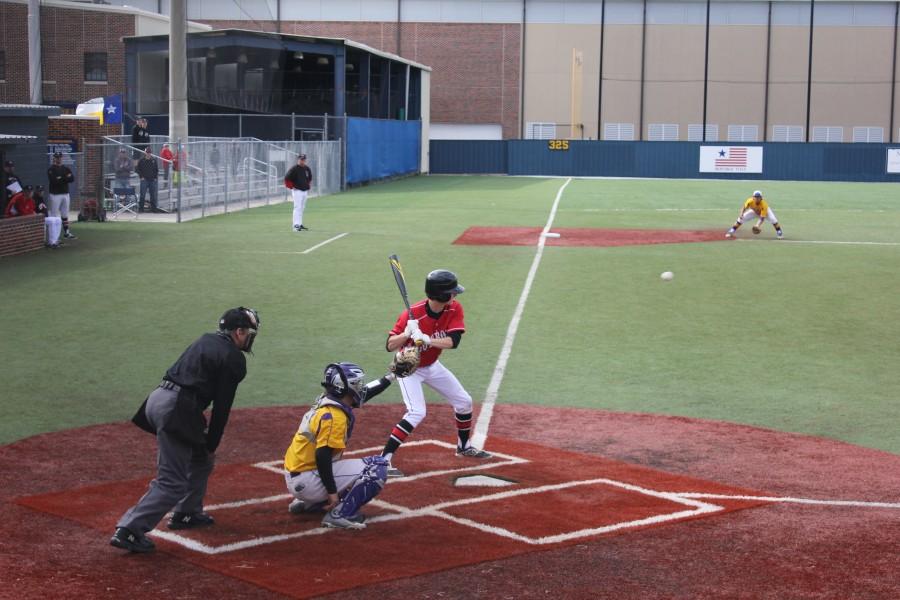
pixel 782 334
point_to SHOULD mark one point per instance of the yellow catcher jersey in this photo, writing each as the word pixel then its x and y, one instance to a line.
pixel 761 209
pixel 327 425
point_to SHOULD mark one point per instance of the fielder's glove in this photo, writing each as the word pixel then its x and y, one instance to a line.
pixel 405 361
pixel 756 229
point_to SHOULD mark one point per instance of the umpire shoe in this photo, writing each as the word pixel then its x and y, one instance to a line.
pixel 473 452
pixel 357 521
pixel 126 540
pixel 190 520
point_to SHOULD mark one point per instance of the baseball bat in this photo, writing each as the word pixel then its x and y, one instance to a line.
pixel 401 284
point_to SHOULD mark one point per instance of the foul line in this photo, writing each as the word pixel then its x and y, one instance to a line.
pixel 337 237
pixel 490 396
pixel 782 241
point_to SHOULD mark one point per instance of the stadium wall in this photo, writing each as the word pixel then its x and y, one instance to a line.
pixel 677 160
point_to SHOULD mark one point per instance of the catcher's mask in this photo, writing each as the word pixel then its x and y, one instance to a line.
pixel 345 378
pixel 241 318
pixel 441 285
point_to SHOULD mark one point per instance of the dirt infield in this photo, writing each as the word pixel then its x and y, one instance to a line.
pixel 593 505
pixel 568 236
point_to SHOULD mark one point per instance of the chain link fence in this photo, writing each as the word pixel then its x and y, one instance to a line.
pixel 205 175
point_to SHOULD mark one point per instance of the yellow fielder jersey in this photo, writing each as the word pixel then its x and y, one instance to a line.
pixel 761 209
pixel 326 424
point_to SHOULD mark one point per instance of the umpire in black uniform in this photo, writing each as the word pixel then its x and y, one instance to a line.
pixel 208 372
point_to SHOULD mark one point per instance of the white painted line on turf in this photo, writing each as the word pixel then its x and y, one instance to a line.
pixel 328 241
pixel 858 503
pixel 836 243
pixel 490 397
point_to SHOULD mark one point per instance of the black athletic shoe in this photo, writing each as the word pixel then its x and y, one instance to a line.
pixel 190 520
pixel 304 228
pixel 473 452
pixel 126 540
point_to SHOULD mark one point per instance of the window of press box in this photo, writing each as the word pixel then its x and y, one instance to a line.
pixel 95 66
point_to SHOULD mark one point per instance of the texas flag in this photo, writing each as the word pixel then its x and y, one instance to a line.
pixel 112 109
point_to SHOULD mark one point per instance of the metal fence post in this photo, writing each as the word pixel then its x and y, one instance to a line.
pixel 203 185
pixel 248 180
pixel 182 168
pixel 240 125
pixel 325 128
pixel 268 175
pixel 293 128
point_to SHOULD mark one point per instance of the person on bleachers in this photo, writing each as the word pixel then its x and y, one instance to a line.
pixel 148 171
pixel 123 166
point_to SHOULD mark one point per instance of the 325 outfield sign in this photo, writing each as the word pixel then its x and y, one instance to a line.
pixel 558 144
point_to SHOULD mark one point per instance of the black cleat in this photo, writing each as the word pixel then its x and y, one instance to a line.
pixel 304 228
pixel 473 452
pixel 126 540
pixel 190 520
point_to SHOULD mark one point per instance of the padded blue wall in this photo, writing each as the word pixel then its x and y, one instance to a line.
pixel 379 148
pixel 781 161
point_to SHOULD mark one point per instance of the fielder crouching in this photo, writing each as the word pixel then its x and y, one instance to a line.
pixel 314 472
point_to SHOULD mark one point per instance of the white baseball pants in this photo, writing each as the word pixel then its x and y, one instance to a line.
pixel 59 205
pixel 299 205
pixel 308 487
pixel 751 214
pixel 440 379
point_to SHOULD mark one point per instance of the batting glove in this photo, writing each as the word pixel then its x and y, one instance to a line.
pixel 412 327
pixel 418 336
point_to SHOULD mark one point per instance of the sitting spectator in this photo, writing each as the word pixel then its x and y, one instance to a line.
pixel 123 170
pixel 166 155
pixel 13 185
pixel 40 204
pixel 148 171
pixel 21 204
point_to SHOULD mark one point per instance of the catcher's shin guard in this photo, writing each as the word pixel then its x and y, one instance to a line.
pixel 366 487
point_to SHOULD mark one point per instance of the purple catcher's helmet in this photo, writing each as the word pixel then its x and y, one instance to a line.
pixel 345 378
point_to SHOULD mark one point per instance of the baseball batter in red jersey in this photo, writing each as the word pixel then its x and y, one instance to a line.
pixel 438 323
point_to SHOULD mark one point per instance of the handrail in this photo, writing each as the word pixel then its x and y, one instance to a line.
pixel 269 167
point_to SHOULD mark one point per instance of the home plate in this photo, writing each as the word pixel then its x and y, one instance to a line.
pixel 482 481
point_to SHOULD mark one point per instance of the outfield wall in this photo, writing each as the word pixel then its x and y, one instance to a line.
pixel 678 160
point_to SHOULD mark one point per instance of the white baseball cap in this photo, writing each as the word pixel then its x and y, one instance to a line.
pixel 757 194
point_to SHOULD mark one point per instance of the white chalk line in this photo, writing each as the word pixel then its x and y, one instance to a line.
pixel 692 500
pixel 307 251
pixel 834 242
pixel 479 435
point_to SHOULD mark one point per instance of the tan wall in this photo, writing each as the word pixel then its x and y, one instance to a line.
pixel 737 73
pixel 548 74
pixel 851 78
pixel 787 77
pixel 673 89
pixel 622 75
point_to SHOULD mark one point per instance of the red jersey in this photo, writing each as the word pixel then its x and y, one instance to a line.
pixel 451 319
pixel 20 206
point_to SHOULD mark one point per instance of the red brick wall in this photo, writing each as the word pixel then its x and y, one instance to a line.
pixel 86 131
pixel 21 234
pixel 14 41
pixel 66 35
pixel 475 66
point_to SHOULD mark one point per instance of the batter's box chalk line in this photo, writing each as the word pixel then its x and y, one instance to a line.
pixel 692 502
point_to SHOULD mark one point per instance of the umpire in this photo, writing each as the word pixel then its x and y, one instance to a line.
pixel 208 372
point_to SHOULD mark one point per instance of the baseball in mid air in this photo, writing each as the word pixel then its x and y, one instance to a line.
pixel 667 276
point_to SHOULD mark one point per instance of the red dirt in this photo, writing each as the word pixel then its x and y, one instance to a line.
pixel 529 236
pixel 773 550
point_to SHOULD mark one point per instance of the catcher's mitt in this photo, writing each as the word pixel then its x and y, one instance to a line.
pixel 756 229
pixel 405 361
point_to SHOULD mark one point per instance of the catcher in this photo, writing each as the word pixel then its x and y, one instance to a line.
pixel 314 472
pixel 756 206
pixel 438 325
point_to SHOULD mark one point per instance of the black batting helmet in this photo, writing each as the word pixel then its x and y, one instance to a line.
pixel 440 284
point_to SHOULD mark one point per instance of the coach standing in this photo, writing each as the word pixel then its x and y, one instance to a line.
pixel 299 179
pixel 208 372
pixel 59 177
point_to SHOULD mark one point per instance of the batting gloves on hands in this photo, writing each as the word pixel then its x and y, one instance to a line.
pixel 424 338
pixel 412 327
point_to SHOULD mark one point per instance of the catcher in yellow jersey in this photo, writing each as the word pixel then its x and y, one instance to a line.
pixel 314 472
pixel 756 207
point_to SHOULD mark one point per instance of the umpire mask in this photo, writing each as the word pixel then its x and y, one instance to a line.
pixel 241 318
